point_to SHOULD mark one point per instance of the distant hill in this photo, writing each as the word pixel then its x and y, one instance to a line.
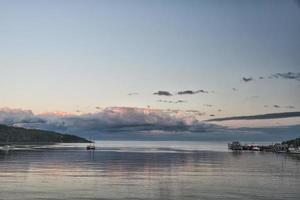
pixel 16 135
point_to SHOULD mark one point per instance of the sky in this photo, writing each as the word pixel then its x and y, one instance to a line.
pixel 193 59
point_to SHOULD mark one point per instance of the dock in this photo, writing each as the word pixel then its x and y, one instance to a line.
pixel 276 148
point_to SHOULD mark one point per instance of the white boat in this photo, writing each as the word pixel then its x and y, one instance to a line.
pixel 236 146
pixel 255 148
pixel 280 148
pixel 91 146
pixel 7 148
pixel 294 150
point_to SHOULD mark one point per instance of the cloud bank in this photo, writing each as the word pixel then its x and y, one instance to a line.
pixel 125 123
pixel 109 120
pixel 12 116
pixel 257 117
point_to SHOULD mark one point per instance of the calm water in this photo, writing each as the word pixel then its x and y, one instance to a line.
pixel 147 170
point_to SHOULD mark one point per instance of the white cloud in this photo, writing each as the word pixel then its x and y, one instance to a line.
pixel 10 116
pixel 112 119
pixel 139 123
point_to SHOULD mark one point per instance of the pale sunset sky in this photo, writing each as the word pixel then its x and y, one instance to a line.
pixel 219 58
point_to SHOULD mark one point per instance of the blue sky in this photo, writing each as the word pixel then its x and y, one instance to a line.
pixel 74 56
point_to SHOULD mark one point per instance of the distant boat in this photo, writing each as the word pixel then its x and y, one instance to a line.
pixel 256 148
pixel 294 150
pixel 91 146
pixel 236 146
pixel 281 148
pixel 7 148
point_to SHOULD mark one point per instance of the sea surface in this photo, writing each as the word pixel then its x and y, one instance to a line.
pixel 149 170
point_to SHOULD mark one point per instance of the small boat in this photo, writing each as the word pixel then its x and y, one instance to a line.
pixel 294 150
pixel 280 148
pixel 7 148
pixel 256 148
pixel 91 146
pixel 297 151
pixel 236 146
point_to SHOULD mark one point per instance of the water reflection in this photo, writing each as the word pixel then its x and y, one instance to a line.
pixel 75 173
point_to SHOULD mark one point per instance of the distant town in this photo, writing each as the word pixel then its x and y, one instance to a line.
pixel 290 146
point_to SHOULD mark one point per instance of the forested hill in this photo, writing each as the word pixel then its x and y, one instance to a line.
pixel 14 135
pixel 295 142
